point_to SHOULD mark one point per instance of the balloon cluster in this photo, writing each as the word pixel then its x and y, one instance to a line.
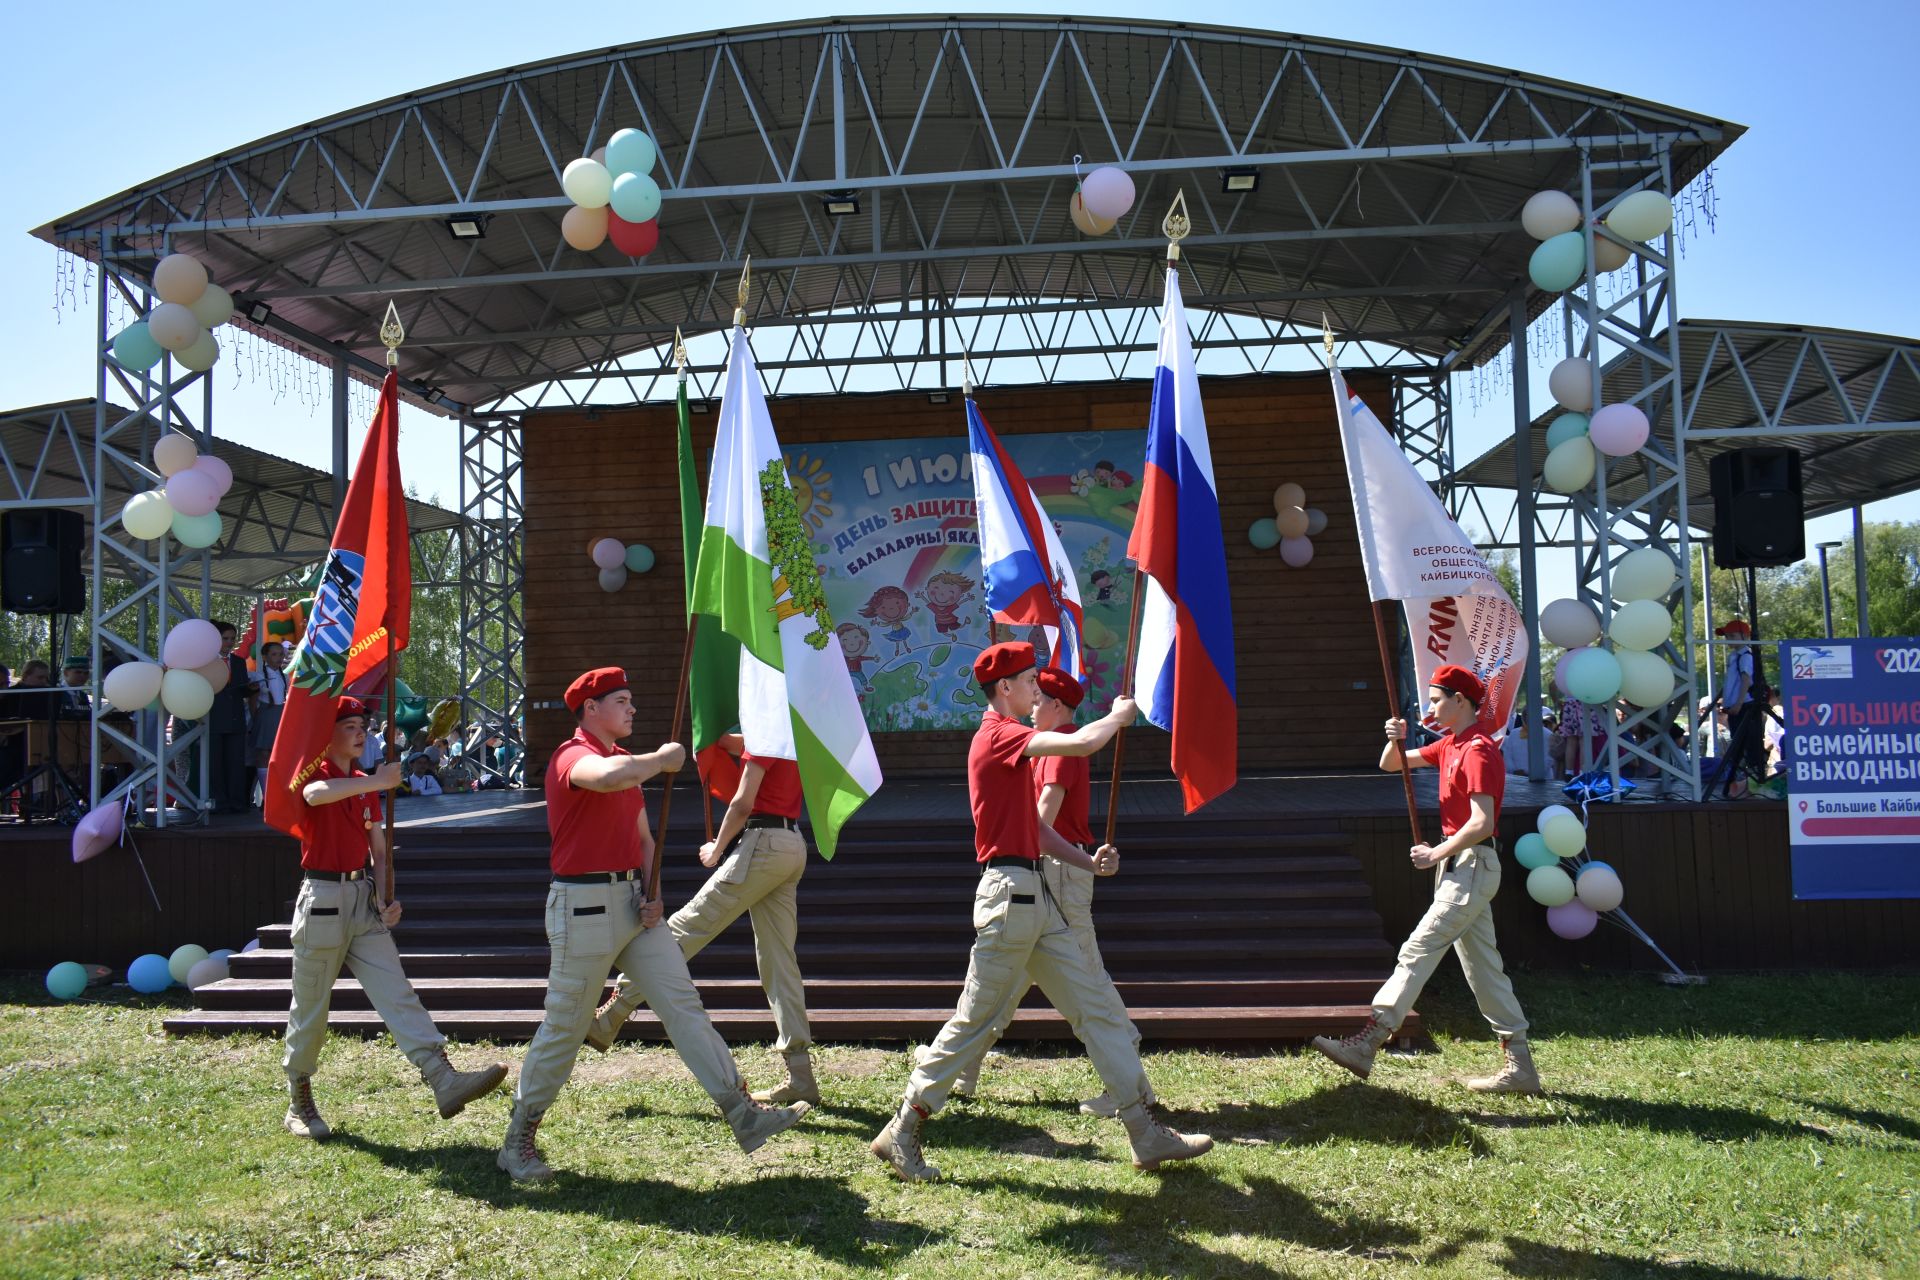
pixel 616 559
pixel 613 198
pixel 191 966
pixel 1560 259
pixel 185 504
pixel 1292 527
pixel 1630 670
pixel 191 307
pixel 190 672
pixel 1101 200
pixel 281 622
pixel 1575 899
pixel 1577 438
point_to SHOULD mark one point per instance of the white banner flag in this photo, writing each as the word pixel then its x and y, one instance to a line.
pixel 1414 552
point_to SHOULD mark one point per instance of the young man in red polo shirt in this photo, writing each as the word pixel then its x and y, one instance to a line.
pixel 760 839
pixel 339 919
pixel 1466 876
pixel 1064 787
pixel 1019 931
pixel 598 916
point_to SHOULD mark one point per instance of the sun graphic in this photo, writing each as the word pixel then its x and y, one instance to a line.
pixel 812 489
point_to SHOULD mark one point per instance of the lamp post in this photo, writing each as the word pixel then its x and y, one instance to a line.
pixel 1826 588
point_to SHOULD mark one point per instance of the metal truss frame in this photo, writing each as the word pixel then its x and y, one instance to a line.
pixel 492 578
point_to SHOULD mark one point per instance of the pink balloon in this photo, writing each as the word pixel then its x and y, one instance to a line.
pixel 1107 192
pixel 1618 429
pixel 192 643
pixel 97 832
pixel 218 470
pixel 1572 920
pixel 1297 552
pixel 609 553
pixel 192 492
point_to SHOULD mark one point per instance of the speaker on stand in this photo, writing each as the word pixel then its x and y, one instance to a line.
pixel 1758 518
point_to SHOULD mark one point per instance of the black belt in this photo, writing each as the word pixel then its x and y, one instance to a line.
pixel 762 821
pixel 1009 861
pixel 601 877
pixel 336 877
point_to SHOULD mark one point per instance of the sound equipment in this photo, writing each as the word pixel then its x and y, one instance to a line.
pixel 1758 519
pixel 40 561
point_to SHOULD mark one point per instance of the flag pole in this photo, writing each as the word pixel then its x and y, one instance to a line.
pixel 966 395
pixel 392 334
pixel 1388 675
pixel 693 626
pixel 1175 226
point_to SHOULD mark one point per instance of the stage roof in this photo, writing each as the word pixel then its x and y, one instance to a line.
pixel 1389 190
pixel 1849 402
pixel 278 515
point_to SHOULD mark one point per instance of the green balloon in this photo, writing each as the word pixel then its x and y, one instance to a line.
pixel 135 349
pixel 197 531
pixel 639 558
pixel 1564 428
pixel 1264 533
pixel 1531 851
pixel 66 980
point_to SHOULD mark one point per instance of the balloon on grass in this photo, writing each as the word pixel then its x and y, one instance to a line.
pixel 66 980
pixel 149 974
pixel 181 962
pixel 212 969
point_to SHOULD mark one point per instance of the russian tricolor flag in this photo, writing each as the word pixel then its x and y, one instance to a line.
pixel 1029 579
pixel 1184 674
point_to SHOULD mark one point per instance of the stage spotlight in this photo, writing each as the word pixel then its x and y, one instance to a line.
pixel 1241 181
pixel 938 397
pixel 259 312
pixel 467 226
pixel 433 395
pixel 840 204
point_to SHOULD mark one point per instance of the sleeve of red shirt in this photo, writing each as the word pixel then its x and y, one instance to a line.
pixel 1048 770
pixel 1010 742
pixel 565 756
pixel 1481 770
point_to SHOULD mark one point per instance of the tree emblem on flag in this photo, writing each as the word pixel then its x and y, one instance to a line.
pixel 796 583
pixel 320 665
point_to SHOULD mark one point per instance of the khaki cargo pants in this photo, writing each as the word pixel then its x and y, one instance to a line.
pixel 1022 936
pixel 334 924
pixel 1461 917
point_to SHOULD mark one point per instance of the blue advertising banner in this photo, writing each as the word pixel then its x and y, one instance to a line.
pixel 1852 752
pixel 899 554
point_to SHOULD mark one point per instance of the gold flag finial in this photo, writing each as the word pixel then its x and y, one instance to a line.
pixel 392 334
pixel 740 295
pixel 1176 225
pixel 679 352
pixel 966 375
pixel 1326 336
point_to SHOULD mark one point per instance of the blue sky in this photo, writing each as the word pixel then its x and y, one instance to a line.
pixel 1817 201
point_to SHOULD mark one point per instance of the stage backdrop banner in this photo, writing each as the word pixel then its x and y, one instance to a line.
pixel 1852 748
pixel 899 553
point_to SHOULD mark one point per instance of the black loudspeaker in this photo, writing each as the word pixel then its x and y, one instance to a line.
pixel 40 561
pixel 1758 520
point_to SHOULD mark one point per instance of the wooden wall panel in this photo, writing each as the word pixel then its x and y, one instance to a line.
pixel 1307 673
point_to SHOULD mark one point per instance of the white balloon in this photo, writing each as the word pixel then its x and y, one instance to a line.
pixel 1640 625
pixel 172 325
pixel 1641 216
pixel 180 279
pixel 186 694
pixel 1646 574
pixel 212 969
pixel 1108 192
pixel 1547 214
pixel 1645 678
pixel 1570 623
pixel 1569 468
pixel 613 579
pixel 1571 382
pixel 1540 820
pixel 132 685
pixel 193 642
pixel 214 307
pixel 147 516
pixel 587 183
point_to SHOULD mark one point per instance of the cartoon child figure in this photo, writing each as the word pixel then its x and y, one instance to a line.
pixel 854 640
pixel 891 607
pixel 1103 474
pixel 944 593
pixel 1102 585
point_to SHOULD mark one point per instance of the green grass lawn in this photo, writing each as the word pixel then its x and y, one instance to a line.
pixel 1756 1127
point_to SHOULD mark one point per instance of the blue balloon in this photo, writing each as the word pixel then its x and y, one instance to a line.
pixel 636 197
pixel 630 151
pixel 1559 261
pixel 639 558
pixel 135 348
pixel 1566 427
pixel 221 954
pixel 66 980
pixel 149 975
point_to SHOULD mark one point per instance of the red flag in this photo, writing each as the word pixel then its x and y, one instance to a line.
pixel 361 612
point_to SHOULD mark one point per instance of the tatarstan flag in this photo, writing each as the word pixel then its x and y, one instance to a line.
pixel 360 617
pixel 714 685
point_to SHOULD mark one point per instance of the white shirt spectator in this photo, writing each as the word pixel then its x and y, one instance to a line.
pixel 425 784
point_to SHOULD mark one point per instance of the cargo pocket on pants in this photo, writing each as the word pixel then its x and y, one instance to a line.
pixel 589 931
pixel 317 924
pixel 568 1004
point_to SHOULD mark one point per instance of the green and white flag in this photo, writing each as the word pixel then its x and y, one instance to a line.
pixel 757 577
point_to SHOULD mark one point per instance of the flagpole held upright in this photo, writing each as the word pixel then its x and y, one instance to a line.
pixel 392 334
pixel 693 621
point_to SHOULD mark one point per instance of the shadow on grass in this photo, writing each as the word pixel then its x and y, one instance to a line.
pixel 1353 1111
pixel 1155 1231
pixel 1900 1126
pixel 821 1215
pixel 1686 1119
pixel 1558 1262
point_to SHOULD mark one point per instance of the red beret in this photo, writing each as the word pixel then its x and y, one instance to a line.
pixel 1733 627
pixel 998 661
pixel 1060 686
pixel 597 683
pixel 1459 680
pixel 349 707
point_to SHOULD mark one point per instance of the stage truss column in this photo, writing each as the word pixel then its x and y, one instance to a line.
pixel 1423 422
pixel 342 388
pixel 1638 326
pixel 492 577
pixel 135 627
pixel 1529 544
